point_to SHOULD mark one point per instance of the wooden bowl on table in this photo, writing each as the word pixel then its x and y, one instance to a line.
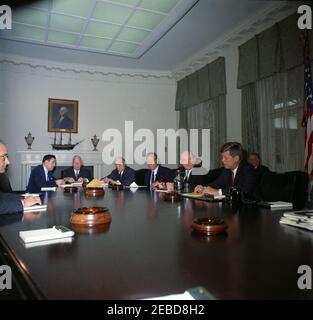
pixel 94 192
pixel 208 226
pixel 91 216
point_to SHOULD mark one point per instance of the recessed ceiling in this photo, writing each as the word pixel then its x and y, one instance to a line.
pixel 118 27
pixel 205 23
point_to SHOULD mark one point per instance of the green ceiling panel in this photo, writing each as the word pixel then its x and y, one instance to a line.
pixel 123 47
pixel 111 13
pixel 102 29
pixel 30 33
pixel 62 37
pixel 134 35
pixel 66 23
pixel 94 43
pixel 43 4
pixel 127 2
pixel 159 5
pixel 146 20
pixel 30 16
pixel 74 7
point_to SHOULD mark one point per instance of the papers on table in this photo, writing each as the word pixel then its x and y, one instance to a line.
pixel 74 184
pixel 48 242
pixel 30 195
pixel 46 234
pixel 276 205
pixel 36 208
pixel 160 190
pixel 181 296
pixel 203 196
pixel 48 188
pixel 301 219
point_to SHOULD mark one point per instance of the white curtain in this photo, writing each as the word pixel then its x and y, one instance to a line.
pixel 280 99
pixel 211 115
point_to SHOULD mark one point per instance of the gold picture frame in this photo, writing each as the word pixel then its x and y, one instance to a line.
pixel 62 115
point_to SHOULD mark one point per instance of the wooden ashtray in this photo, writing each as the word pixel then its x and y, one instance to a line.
pixel 172 197
pixel 85 229
pixel 70 189
pixel 116 186
pixel 91 216
pixel 208 226
pixel 94 192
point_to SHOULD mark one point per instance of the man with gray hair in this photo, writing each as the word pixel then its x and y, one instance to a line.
pixel 122 174
pixel 77 172
pixel 5 185
pixel 9 202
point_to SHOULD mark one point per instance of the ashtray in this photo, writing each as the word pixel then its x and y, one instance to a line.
pixel 70 189
pixel 94 192
pixel 208 226
pixel 172 197
pixel 116 186
pixel 91 216
pixel 85 229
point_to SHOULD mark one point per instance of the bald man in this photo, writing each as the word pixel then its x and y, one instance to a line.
pixel 5 185
pixel 76 172
pixel 122 174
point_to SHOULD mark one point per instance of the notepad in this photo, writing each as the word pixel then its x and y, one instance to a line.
pixel 48 242
pixel 56 232
pixel 30 195
pixel 276 205
pixel 48 188
pixel 36 208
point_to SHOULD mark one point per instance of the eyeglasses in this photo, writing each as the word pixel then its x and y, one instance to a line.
pixel 4 156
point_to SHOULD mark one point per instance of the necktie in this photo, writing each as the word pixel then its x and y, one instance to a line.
pixel 232 177
pixel 120 176
pixel 47 176
pixel 76 174
pixel 152 177
pixel 187 175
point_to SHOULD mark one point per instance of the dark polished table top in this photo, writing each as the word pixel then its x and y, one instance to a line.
pixel 149 250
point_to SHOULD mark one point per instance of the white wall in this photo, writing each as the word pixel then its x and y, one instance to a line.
pixel 106 100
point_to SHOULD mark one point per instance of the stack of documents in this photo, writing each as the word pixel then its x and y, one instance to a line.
pixel 276 205
pixel 56 232
pixel 301 219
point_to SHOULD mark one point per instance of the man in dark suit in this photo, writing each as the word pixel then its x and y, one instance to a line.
pixel 77 172
pixel 157 176
pixel 191 180
pixel 63 121
pixel 236 173
pixel 5 185
pixel 122 174
pixel 11 203
pixel 259 169
pixel 41 176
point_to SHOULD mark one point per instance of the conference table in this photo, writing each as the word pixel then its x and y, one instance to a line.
pixel 149 250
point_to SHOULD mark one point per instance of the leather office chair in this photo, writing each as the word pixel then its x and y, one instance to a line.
pixel 277 187
pixel 300 195
pixel 140 176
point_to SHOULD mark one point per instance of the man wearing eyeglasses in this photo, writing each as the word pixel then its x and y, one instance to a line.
pixel 9 202
pixel 5 185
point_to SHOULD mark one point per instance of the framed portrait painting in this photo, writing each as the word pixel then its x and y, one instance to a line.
pixel 62 115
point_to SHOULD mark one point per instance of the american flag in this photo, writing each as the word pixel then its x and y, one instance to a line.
pixel 307 122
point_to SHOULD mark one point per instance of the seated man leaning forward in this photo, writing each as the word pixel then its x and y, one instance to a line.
pixel 41 176
pixel 77 172
pixel 157 176
pixel 122 174
pixel 236 173
pixel 12 203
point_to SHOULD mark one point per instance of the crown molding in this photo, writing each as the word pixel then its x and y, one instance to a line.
pixel 48 66
pixel 243 32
